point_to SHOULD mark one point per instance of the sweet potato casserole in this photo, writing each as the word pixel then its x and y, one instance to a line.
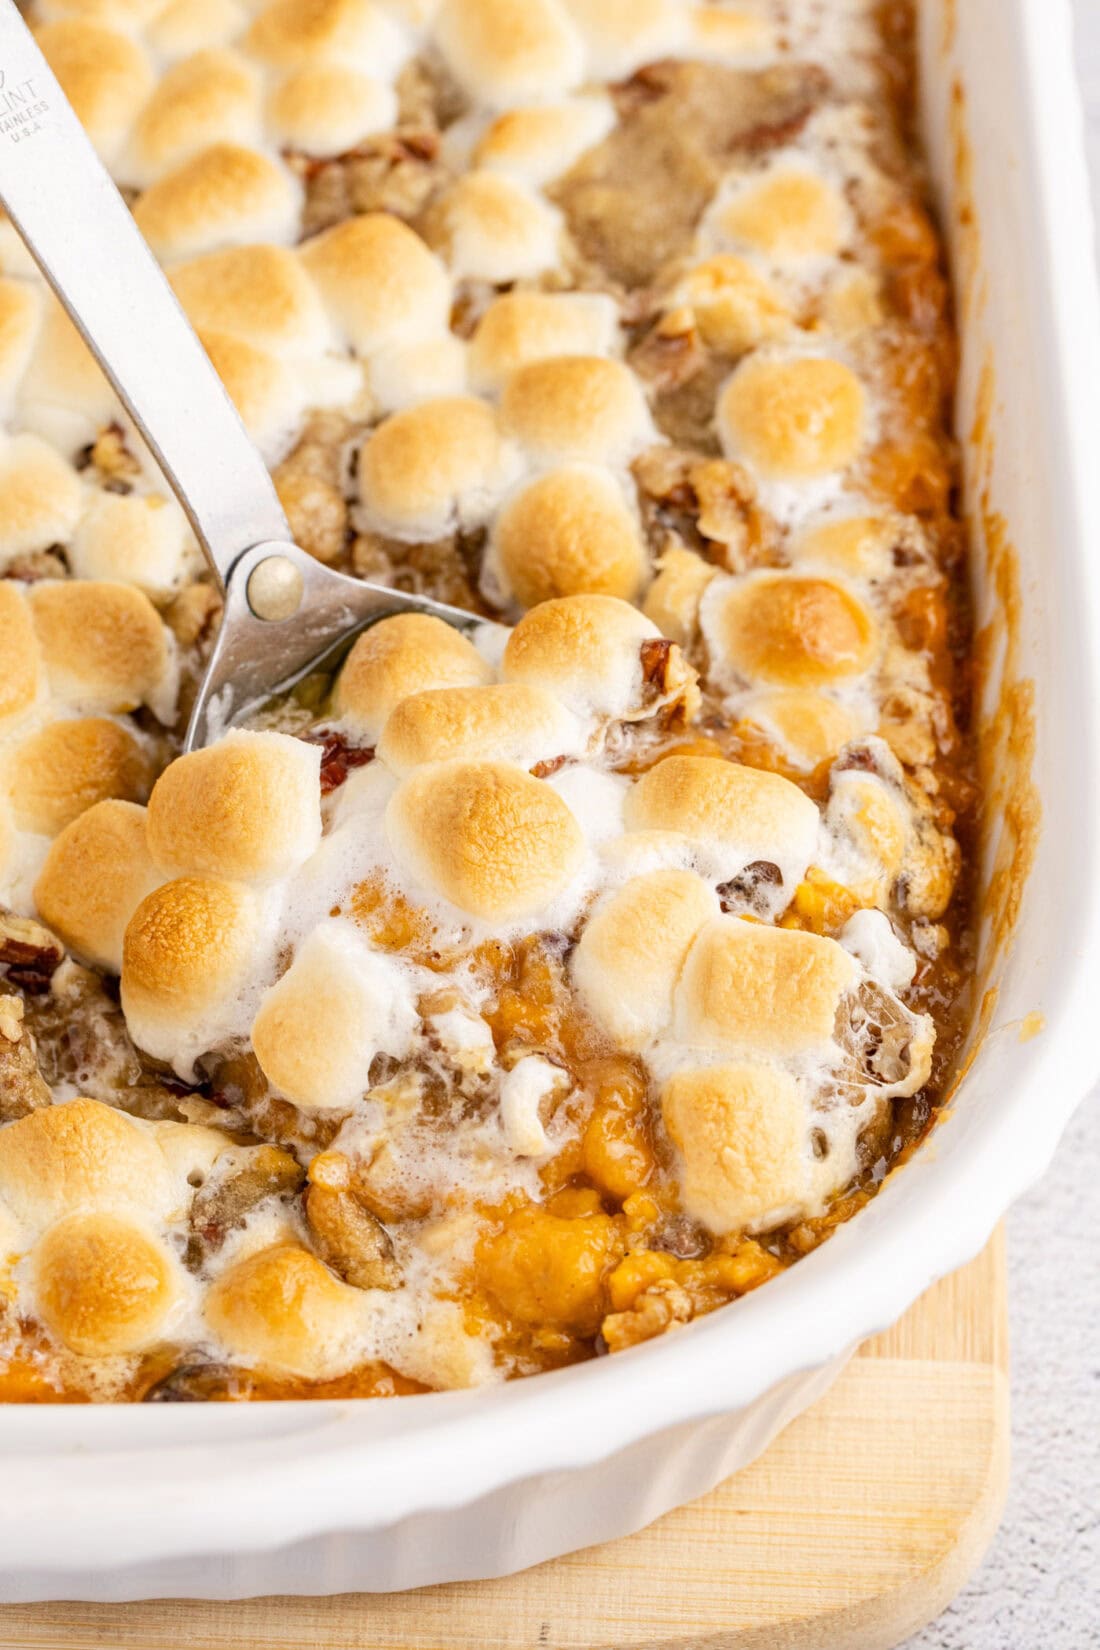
pixel 491 1003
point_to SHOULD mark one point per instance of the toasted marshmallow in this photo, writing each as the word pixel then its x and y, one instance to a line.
pixel 792 417
pixel 503 722
pixel 490 228
pixel 530 326
pixel 434 467
pixel 188 25
pixel 40 496
pixel 142 539
pixel 752 989
pixel 103 1285
pixel 267 392
pixel 189 957
pixel 247 808
pixel 538 144
pixel 856 546
pixel 64 396
pixel 82 1155
pixel 69 765
pixel 379 282
pixel 577 407
pixel 569 531
pixel 630 954
pixel 398 657
pixel 737 816
pixel 673 599
pixel 20 314
pixel 486 836
pixel 425 370
pixel 212 97
pixel 105 76
pixel 735 307
pixel 719 33
pixel 291 33
pixel 103 644
pixel 742 1133
pixel 807 727
pixel 327 108
pixel 281 1309
pixel 259 293
pixel 505 51
pixel 96 874
pixel 868 828
pixel 319 1028
pixel 788 214
pixel 20 678
pixel 621 35
pixel 788 630
pixel 225 195
pixel 586 650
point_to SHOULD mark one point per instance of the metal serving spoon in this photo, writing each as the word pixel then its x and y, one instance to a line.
pixel 284 611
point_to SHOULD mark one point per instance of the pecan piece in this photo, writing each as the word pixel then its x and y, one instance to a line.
pixel 23 1089
pixel 30 952
pixel 350 1239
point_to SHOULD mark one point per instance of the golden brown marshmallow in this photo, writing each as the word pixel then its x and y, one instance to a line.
pixel 793 418
pixel 188 951
pixel 807 727
pixel 103 644
pixel 740 815
pixel 259 293
pixel 247 808
pixel 537 144
pixel 632 950
pixel 327 108
pixel 789 214
pixel 433 467
pixel 226 195
pixel 566 532
pixel 519 327
pixel 378 280
pixel 95 876
pixel 503 721
pixel 584 649
pixel 492 840
pixel 81 1155
pixel 64 394
pixel 752 988
pixel 505 51
pixel 576 407
pixel 281 1309
pixel 104 1285
pixel 211 97
pixel 105 76
pixel 290 33
pixel 40 496
pixel 623 34
pixel 490 228
pixel 70 765
pixel 187 25
pixel 742 1134
pixel 672 600
pixel 790 630
pixel 267 392
pixel 21 672
pixel 398 657
pixel 320 1026
pixel 142 539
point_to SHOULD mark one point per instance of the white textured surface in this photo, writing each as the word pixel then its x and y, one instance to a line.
pixel 1040 1584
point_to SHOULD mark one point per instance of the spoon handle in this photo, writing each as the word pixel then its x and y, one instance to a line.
pixel 80 233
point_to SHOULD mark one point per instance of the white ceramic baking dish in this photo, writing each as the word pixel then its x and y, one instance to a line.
pixel 224 1501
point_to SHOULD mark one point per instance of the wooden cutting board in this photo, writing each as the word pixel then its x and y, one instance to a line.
pixel 855 1528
